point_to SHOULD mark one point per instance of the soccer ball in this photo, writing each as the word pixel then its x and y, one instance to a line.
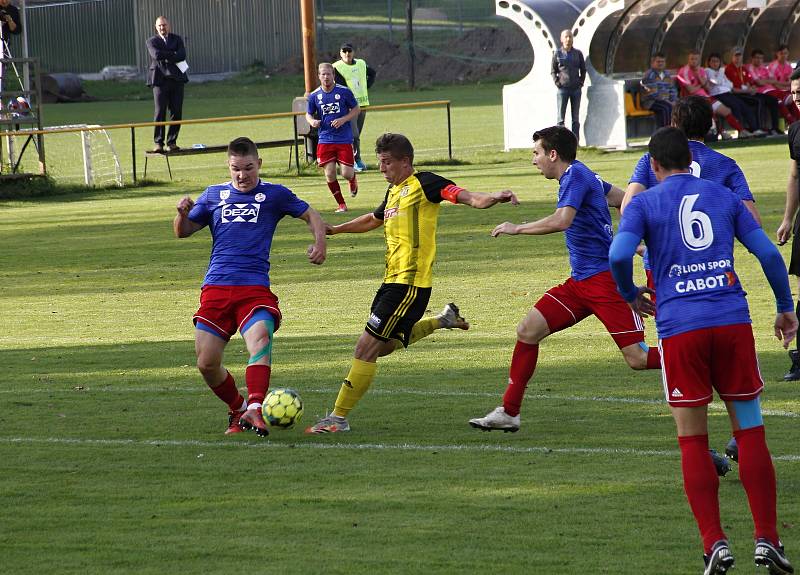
pixel 282 408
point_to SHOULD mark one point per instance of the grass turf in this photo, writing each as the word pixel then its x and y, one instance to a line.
pixel 112 452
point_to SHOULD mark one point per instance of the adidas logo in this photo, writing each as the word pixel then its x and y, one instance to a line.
pixel 676 393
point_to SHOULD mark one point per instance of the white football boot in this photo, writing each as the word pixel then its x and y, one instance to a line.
pixel 497 419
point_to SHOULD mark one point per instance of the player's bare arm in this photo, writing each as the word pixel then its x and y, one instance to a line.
pixel 631 192
pixel 182 225
pixel 312 120
pixel 751 207
pixel 316 251
pixel 614 197
pixel 785 229
pixel 339 122
pixel 558 221
pixel 481 200
pixel 359 225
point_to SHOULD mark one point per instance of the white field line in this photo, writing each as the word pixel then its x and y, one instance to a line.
pixel 266 444
pixel 425 393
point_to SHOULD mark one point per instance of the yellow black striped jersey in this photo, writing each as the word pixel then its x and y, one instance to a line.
pixel 410 212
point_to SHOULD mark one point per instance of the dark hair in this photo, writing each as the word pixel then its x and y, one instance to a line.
pixel 781 47
pixel 795 75
pixel 693 116
pixel 396 145
pixel 756 52
pixel 714 55
pixel 560 139
pixel 657 55
pixel 242 147
pixel 670 148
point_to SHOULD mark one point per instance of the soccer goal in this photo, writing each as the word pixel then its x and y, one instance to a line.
pixel 100 161
pixel 101 167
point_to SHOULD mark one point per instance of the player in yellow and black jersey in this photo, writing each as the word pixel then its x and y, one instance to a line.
pixel 408 214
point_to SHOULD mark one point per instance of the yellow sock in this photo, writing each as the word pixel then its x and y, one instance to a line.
pixel 423 328
pixel 354 387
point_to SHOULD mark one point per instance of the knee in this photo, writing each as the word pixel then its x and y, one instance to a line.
pixel 207 365
pixel 636 358
pixel 528 332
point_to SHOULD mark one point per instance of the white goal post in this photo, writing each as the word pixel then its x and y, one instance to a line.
pixel 100 160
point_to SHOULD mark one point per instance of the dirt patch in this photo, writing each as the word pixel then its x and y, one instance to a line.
pixel 477 55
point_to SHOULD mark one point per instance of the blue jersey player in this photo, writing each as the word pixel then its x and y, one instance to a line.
pixel 694 117
pixel 689 225
pixel 330 109
pixel 582 214
pixel 242 215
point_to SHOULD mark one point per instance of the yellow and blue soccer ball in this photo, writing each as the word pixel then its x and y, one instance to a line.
pixel 282 408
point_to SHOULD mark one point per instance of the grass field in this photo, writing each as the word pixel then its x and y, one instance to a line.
pixel 112 456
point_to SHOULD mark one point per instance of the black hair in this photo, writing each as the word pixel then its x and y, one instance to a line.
pixel 242 147
pixel 693 116
pixel 396 145
pixel 670 148
pixel 756 52
pixel 560 139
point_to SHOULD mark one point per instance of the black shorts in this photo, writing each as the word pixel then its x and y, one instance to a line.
pixel 794 263
pixel 395 310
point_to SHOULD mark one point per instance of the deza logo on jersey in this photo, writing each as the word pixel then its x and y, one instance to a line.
pixel 332 108
pixel 247 213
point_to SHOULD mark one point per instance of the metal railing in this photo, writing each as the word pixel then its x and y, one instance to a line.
pixel 253 117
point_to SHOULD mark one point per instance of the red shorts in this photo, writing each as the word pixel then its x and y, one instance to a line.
pixel 339 153
pixel 697 362
pixel 567 304
pixel 226 308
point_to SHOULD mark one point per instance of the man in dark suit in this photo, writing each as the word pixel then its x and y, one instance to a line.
pixel 167 57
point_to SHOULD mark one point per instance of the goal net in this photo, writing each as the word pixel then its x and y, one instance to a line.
pixel 88 155
pixel 100 161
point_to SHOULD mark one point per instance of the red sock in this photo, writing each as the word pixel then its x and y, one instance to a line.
pixel 228 393
pixel 653 358
pixel 731 119
pixel 257 378
pixel 701 484
pixel 757 475
pixel 336 191
pixel 353 183
pixel 523 364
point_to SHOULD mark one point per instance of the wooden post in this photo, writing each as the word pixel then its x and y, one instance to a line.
pixel 309 27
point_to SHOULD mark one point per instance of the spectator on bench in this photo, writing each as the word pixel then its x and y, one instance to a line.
pixel 767 85
pixel 745 87
pixel 658 90
pixel 721 88
pixel 694 82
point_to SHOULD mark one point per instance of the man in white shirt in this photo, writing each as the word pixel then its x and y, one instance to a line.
pixel 721 89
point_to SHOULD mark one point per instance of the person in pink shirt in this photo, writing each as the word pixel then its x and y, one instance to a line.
pixel 693 81
pixel 780 69
pixel 767 83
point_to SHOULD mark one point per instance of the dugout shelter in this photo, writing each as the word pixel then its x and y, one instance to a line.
pixel 617 38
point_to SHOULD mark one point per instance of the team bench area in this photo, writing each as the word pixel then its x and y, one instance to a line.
pixel 292 144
